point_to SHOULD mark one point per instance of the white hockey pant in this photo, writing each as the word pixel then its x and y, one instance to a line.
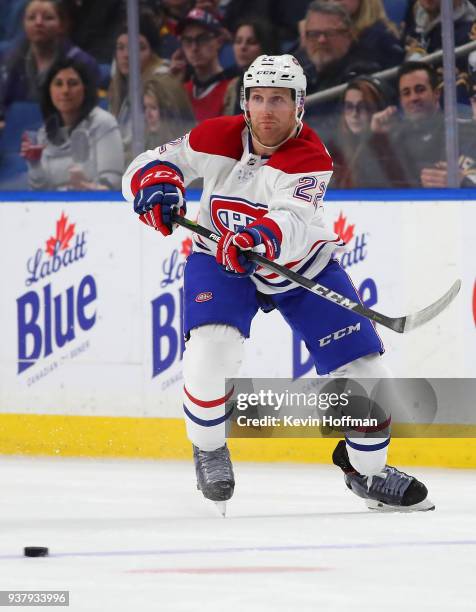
pixel 367 456
pixel 212 354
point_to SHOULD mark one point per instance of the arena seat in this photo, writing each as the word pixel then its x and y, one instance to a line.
pixel 19 116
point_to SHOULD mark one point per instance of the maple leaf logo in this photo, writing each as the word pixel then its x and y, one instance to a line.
pixel 64 233
pixel 346 233
pixel 186 247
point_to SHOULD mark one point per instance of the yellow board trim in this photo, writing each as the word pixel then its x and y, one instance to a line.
pixel 154 438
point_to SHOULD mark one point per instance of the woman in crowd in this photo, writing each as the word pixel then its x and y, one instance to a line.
pixel 46 24
pixel 167 109
pixel 79 147
pixel 422 28
pixel 375 33
pixel 151 66
pixel 252 38
pixel 362 97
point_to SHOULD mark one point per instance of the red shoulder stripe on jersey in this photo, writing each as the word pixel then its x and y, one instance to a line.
pixel 219 136
pixel 301 157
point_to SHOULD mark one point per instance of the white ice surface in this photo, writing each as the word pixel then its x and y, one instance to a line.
pixel 137 536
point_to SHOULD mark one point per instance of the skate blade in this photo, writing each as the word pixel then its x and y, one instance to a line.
pixel 221 507
pixel 377 506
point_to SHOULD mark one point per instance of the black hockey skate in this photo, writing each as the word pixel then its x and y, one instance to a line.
pixel 390 491
pixel 215 477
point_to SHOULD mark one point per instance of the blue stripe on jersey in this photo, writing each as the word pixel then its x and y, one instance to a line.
pixel 204 422
pixel 367 447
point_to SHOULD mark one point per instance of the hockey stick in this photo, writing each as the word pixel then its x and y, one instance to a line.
pixel 397 324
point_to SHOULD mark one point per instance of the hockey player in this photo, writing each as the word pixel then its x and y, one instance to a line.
pixel 265 174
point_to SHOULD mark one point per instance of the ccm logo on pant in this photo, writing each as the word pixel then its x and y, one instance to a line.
pixel 339 334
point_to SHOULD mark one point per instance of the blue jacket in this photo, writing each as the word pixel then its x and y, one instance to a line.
pixel 19 80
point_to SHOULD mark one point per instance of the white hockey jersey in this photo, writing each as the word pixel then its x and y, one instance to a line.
pixel 240 187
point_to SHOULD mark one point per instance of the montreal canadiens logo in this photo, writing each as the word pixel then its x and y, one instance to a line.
pixel 229 214
pixel 204 296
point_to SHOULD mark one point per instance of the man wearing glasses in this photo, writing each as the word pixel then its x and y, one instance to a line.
pixel 332 51
pixel 201 38
pixel 331 57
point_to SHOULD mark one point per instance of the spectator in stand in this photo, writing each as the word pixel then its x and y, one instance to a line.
pixel 182 70
pixel 175 11
pixel 332 51
pixel 211 6
pixel 46 24
pixel 95 26
pixel 411 150
pixel 422 28
pixel 151 66
pixel 252 38
pixel 422 34
pixel 79 147
pixel 331 56
pixel 201 37
pixel 10 24
pixel 169 42
pixel 374 32
pixel 363 97
pixel 167 109
pixel 237 10
pixel 158 14
pixel 284 15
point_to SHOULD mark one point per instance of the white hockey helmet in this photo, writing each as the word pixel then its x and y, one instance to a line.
pixel 276 71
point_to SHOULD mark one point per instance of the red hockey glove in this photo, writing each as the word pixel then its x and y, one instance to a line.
pixel 232 247
pixel 159 191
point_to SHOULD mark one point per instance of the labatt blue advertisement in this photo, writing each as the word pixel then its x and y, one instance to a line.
pixel 48 320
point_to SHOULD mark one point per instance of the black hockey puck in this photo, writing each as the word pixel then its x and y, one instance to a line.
pixel 35 551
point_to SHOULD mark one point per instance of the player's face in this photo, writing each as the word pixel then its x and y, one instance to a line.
pixel 151 112
pixel 42 22
pixel 272 114
pixel 356 113
pixel 326 39
pixel 245 46
pixel 417 98
pixel 122 53
pixel 200 45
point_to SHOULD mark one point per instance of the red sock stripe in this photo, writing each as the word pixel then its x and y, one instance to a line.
pixel 210 404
